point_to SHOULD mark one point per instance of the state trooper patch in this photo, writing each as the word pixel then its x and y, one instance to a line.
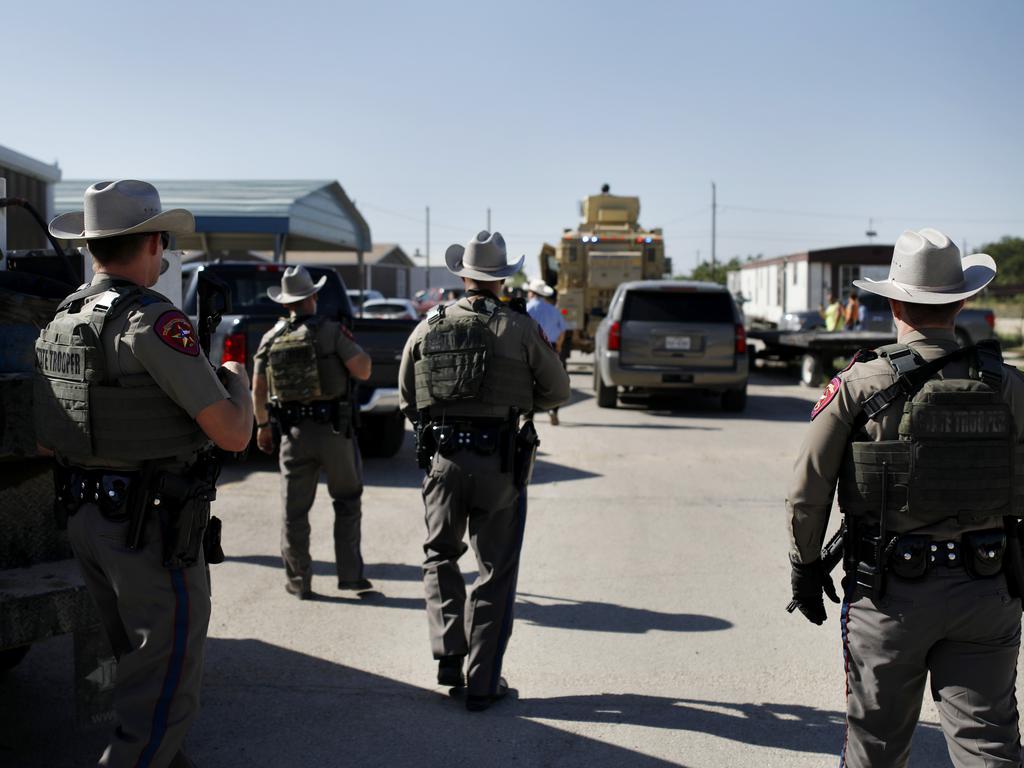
pixel 827 396
pixel 175 330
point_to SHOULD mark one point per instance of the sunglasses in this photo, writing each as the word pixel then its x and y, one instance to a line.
pixel 165 239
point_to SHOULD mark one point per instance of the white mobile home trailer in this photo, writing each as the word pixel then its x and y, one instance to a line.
pixel 801 282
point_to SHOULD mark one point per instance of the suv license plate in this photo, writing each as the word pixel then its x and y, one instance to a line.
pixel 677 343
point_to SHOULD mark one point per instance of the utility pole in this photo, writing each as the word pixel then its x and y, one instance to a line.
pixel 714 213
pixel 428 248
pixel 488 219
pixel 871 233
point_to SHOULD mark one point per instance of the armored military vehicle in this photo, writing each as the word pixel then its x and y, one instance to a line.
pixel 609 247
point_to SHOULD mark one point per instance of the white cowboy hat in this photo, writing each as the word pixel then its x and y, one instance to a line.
pixel 483 258
pixel 125 207
pixel 927 269
pixel 296 285
pixel 539 287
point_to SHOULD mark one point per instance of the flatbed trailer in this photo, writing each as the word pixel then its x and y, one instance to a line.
pixel 816 349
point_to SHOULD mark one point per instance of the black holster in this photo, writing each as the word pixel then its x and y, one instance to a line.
pixel 182 503
pixel 524 454
pixel 1013 558
pixel 426 446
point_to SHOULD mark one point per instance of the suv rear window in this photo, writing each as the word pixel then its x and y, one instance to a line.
pixel 678 307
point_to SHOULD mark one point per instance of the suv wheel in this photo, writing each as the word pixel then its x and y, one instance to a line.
pixel 607 397
pixel 735 400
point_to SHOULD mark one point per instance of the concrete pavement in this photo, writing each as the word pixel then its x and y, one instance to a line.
pixel 650 631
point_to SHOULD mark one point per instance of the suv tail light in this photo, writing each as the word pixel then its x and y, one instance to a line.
pixel 614 336
pixel 990 318
pixel 741 339
pixel 234 349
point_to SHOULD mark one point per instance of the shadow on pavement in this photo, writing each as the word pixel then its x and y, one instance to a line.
pixel 266 705
pixel 591 616
pixel 791 727
pixel 541 610
pixel 759 408
pixel 549 472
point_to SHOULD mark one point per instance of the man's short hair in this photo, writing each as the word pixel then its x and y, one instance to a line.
pixel 117 250
pixel 930 314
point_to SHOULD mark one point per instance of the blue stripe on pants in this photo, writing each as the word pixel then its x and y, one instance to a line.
pixel 174 667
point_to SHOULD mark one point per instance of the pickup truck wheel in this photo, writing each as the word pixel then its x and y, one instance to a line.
pixel 381 435
pixel 11 657
pixel 735 400
pixel 810 370
pixel 607 397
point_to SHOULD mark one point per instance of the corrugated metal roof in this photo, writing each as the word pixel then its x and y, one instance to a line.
pixel 247 215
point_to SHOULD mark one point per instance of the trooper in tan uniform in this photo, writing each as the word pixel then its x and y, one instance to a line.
pixel 923 440
pixel 301 372
pixel 469 371
pixel 129 405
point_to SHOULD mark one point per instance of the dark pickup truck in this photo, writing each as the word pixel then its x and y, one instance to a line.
pixel 382 428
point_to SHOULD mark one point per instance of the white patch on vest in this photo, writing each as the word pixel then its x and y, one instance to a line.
pixel 62 363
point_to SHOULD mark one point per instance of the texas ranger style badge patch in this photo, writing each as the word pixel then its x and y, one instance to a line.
pixel 175 330
pixel 827 396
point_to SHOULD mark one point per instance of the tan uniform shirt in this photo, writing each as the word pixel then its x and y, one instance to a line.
pixel 158 340
pixel 816 470
pixel 332 338
pixel 516 336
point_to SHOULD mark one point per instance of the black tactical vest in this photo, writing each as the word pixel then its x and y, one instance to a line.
pixel 80 411
pixel 956 454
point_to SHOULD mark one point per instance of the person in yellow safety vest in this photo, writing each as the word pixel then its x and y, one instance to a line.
pixel 833 313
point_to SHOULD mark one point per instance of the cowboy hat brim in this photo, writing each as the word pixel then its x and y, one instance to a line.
pixel 71 226
pixel 278 295
pixel 979 271
pixel 540 288
pixel 453 260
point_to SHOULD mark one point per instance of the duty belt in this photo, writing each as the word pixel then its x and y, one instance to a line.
pixel 483 437
pixel 914 555
pixel 321 411
pixel 106 488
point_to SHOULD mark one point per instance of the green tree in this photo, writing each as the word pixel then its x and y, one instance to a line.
pixel 1009 256
pixel 712 274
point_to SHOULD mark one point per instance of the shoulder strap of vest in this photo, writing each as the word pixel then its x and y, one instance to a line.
pixel 88 291
pixel 989 363
pixel 909 383
pixel 900 357
pixel 436 314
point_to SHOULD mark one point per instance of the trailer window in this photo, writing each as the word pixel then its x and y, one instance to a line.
pixel 678 307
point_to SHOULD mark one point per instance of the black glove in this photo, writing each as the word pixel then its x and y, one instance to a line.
pixel 809 580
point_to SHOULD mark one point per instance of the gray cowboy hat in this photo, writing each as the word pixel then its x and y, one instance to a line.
pixel 541 288
pixel 927 269
pixel 124 207
pixel 296 285
pixel 482 258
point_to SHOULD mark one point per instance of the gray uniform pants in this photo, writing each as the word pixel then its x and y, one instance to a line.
pixel 965 633
pixel 305 449
pixel 156 620
pixel 468 490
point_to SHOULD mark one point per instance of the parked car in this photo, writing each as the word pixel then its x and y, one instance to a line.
pixel 358 298
pixel 661 336
pixel 426 299
pixel 382 428
pixel 390 309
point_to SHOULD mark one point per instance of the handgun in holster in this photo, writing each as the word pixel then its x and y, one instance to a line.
pixel 525 456
pixel 871 576
pixel 426 447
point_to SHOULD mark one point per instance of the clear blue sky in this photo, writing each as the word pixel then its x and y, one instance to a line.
pixel 810 116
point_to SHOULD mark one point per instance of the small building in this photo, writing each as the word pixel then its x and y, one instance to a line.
pixel 801 282
pixel 386 268
pixel 31 180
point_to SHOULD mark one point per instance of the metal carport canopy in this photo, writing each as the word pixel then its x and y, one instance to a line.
pixel 254 215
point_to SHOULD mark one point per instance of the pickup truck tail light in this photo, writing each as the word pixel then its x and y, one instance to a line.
pixel 990 318
pixel 234 349
pixel 741 339
pixel 614 337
